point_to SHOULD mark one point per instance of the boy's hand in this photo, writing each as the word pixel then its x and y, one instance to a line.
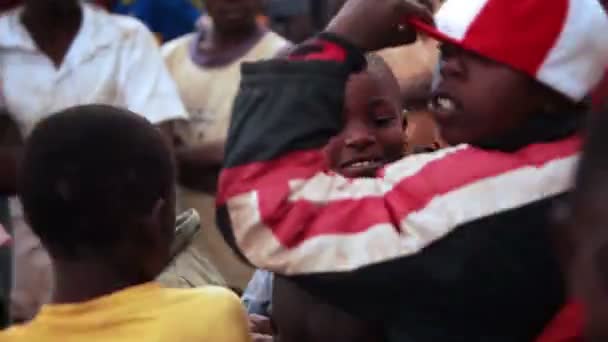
pixel 260 325
pixel 377 24
pixel 261 338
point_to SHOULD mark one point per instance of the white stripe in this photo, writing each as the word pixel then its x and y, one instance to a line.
pixel 455 17
pixel 324 188
pixel 577 61
pixel 336 253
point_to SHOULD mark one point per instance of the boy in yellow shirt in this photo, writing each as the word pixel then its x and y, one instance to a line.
pixel 97 186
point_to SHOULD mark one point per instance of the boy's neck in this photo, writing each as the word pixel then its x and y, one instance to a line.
pixel 51 15
pixel 83 281
pixel 53 26
pixel 216 49
pixel 222 40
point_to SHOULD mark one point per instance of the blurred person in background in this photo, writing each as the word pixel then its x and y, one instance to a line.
pixel 291 18
pixel 206 67
pixel 421 131
pixel 58 53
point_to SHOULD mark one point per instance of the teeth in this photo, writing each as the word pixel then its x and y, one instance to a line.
pixel 445 104
pixel 365 163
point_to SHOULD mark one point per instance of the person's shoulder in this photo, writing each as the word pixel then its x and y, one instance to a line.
pixel 216 295
pixel 270 46
pixel 171 47
pixel 7 15
pixel 207 295
pixel 9 37
pixel 212 306
pixel 126 27
pixel 16 333
pixel 276 41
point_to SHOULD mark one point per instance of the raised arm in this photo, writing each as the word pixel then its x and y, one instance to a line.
pixel 284 209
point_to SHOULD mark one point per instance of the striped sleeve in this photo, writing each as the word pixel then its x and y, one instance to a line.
pixel 283 210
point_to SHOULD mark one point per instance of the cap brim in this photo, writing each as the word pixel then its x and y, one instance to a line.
pixel 431 31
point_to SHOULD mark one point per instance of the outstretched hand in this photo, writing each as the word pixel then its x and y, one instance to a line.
pixel 377 24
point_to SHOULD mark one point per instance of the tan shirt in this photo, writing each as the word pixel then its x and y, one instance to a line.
pixel 208 94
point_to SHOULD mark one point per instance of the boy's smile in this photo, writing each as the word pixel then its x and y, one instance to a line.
pixel 373 134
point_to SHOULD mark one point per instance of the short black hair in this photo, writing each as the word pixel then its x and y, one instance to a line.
pixel 88 173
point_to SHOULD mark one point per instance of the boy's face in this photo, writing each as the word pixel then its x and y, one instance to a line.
pixel 478 99
pixel 373 133
pixel 233 15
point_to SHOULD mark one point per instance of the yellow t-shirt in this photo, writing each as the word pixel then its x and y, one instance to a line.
pixel 141 313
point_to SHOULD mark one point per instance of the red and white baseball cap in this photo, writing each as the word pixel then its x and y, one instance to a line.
pixel 561 43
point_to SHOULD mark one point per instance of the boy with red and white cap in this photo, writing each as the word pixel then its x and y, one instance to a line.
pixel 448 246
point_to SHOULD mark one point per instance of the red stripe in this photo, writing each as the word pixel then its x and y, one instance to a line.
pixel 266 175
pixel 518 33
pixel 566 327
pixel 295 222
pixel 431 31
pixel 330 52
pixel 344 217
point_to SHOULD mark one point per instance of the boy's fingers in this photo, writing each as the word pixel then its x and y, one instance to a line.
pixel 421 9
pixel 260 324
pixel 261 338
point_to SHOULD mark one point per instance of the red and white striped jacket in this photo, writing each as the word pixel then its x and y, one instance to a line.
pixel 447 246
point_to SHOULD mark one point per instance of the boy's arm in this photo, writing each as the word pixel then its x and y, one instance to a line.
pixel 144 81
pixel 199 167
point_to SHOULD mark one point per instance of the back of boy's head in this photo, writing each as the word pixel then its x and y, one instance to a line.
pixel 92 174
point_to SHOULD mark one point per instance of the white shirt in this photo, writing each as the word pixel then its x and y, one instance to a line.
pixel 113 60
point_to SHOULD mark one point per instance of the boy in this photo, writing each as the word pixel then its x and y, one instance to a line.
pixel 446 246
pixel 66 53
pixel 292 19
pixel 206 66
pixel 372 136
pixel 97 186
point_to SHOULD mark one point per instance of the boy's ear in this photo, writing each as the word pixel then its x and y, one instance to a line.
pixel 153 223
